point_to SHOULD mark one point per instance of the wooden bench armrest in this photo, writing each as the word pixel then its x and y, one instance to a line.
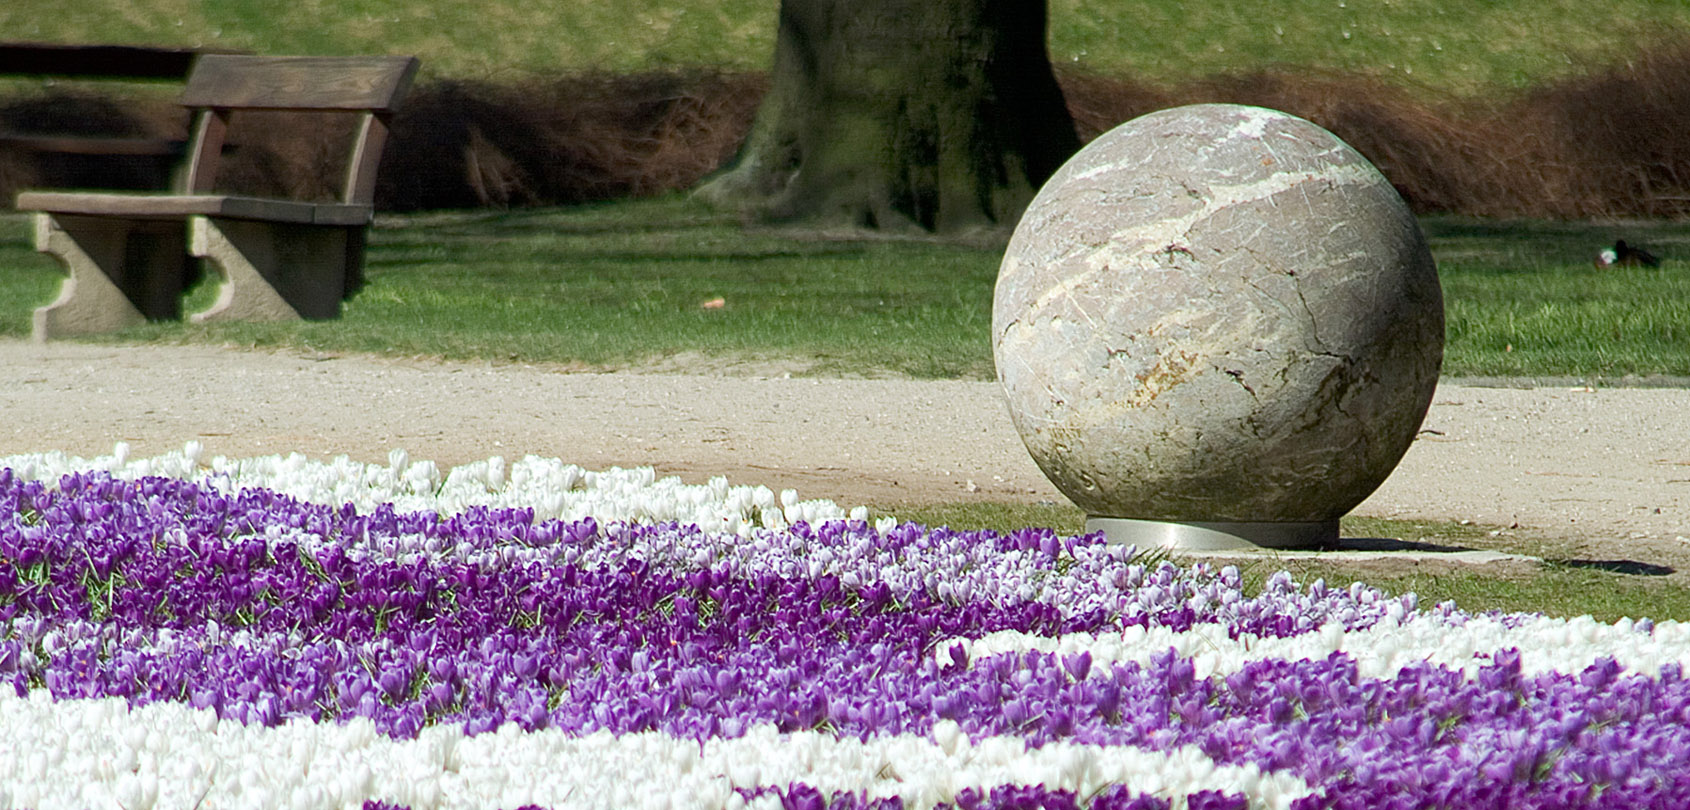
pixel 182 206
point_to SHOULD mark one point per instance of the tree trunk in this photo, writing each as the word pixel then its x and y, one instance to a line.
pixel 935 116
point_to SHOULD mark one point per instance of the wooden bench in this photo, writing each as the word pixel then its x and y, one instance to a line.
pixel 280 259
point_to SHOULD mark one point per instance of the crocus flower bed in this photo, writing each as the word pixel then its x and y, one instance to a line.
pixel 183 632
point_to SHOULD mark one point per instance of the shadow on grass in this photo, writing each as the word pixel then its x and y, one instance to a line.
pixel 1394 544
pixel 464 255
pixel 1627 567
pixel 1452 544
pixel 545 222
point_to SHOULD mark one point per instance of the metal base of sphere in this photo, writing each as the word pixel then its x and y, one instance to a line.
pixel 1215 536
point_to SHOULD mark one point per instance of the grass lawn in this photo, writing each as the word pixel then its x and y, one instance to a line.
pixel 1524 299
pixel 616 285
pixel 623 284
pixel 1458 48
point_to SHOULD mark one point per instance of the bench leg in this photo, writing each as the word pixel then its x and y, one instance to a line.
pixel 121 273
pixel 272 272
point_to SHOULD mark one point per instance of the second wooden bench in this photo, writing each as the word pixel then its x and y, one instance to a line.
pixel 128 253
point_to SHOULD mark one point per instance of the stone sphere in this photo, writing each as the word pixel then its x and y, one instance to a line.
pixel 1218 313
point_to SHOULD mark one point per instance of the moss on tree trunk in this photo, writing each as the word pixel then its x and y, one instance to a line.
pixel 935 116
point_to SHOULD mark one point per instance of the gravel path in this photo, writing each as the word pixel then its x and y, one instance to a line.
pixel 1609 469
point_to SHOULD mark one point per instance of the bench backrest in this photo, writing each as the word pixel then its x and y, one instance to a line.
pixel 97 61
pixel 221 84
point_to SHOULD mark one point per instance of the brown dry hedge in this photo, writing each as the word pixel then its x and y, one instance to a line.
pixel 1609 144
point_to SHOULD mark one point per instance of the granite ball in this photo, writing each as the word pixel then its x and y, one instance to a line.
pixel 1218 313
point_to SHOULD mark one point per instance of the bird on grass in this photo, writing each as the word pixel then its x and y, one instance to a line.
pixel 1624 255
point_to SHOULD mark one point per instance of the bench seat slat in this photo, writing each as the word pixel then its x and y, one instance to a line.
pixel 153 206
